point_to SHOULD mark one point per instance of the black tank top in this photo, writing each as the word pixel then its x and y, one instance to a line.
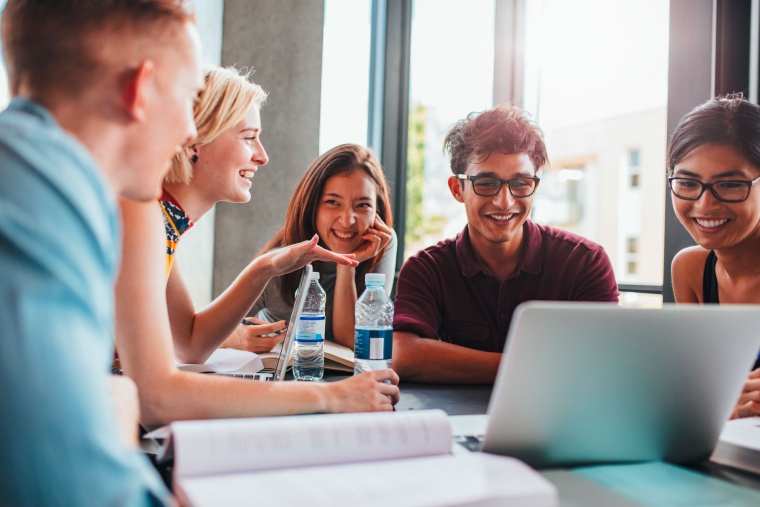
pixel 710 287
pixel 710 280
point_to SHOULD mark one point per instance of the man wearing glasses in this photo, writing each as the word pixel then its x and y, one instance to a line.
pixel 455 300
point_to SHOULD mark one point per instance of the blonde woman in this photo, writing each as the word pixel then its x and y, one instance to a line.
pixel 217 166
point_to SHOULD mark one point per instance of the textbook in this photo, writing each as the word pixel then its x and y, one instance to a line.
pixel 367 459
pixel 337 358
pixel 228 361
pixel 739 445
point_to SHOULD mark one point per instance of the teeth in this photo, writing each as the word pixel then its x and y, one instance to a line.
pixel 711 224
pixel 343 235
pixel 247 174
pixel 500 218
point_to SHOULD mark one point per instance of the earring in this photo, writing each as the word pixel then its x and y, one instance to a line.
pixel 194 158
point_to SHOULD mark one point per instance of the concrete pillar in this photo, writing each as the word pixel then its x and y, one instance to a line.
pixel 282 40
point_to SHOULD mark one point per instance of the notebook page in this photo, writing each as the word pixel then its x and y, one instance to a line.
pixel 234 445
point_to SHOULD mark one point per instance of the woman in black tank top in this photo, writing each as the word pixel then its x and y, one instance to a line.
pixel 710 280
pixel 713 171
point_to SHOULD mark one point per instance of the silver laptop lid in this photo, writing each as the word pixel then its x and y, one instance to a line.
pixel 295 315
pixel 587 383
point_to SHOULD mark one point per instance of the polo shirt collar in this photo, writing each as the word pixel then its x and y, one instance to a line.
pixel 531 260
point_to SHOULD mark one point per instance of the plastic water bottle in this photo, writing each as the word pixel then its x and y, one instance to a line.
pixel 373 334
pixel 309 360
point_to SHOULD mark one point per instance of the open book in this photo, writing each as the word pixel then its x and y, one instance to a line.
pixel 228 361
pixel 371 459
pixel 337 357
pixel 739 445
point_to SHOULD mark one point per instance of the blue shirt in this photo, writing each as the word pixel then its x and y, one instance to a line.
pixel 59 247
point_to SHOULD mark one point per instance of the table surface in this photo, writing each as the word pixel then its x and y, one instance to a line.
pixel 573 489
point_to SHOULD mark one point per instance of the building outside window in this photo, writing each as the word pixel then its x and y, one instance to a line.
pixel 596 83
pixel 633 168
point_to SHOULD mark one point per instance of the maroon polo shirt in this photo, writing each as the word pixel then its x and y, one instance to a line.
pixel 443 293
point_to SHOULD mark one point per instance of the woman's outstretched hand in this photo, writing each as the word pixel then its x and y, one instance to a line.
pixel 290 258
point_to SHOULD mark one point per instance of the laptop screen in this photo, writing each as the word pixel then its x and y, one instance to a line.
pixel 295 315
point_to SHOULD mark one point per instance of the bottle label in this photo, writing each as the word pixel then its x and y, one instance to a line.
pixel 311 328
pixel 373 344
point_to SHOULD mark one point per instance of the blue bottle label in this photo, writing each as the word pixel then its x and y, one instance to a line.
pixel 311 328
pixel 373 344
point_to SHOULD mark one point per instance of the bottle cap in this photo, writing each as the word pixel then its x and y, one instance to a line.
pixel 374 279
pixel 314 275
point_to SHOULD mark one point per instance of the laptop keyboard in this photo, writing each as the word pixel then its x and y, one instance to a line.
pixel 470 442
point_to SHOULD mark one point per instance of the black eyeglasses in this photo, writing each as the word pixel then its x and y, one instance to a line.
pixel 731 191
pixel 487 186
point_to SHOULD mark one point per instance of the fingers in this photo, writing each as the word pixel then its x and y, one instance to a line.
pixel 260 344
pixel 750 409
pixel 755 374
pixel 264 328
pixel 386 376
pixel 322 254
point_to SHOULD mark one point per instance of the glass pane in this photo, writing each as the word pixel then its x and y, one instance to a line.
pixel 451 74
pixel 596 83
pixel 345 73
pixel 640 300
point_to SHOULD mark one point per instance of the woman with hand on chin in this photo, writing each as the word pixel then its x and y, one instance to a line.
pixel 343 198
pixel 153 306
pixel 713 171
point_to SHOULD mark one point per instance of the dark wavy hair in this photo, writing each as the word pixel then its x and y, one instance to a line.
pixel 301 217
pixel 729 120
pixel 504 129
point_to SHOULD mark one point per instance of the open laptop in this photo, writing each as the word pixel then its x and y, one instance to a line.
pixel 585 383
pixel 286 347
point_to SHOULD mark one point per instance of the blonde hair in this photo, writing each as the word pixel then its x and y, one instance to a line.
pixel 227 96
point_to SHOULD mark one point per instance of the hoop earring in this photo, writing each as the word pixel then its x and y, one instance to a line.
pixel 194 158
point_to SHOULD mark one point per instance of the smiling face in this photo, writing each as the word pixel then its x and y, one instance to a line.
pixel 346 210
pixel 713 224
pixel 497 219
pixel 226 165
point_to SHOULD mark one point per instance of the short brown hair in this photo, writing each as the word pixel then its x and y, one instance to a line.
pixel 227 96
pixel 504 129
pixel 731 120
pixel 301 216
pixel 58 46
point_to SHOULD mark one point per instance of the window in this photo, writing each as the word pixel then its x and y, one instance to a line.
pixel 451 74
pixel 633 168
pixel 631 256
pixel 595 81
pixel 345 73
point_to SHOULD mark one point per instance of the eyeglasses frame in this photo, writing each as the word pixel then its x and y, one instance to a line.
pixel 709 186
pixel 473 179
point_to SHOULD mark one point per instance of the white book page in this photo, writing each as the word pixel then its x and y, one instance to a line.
pixel 742 432
pixel 228 361
pixel 235 445
pixel 475 479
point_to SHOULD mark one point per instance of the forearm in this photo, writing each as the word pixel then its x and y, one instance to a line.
pixel 217 321
pixel 427 360
pixel 344 302
pixel 183 396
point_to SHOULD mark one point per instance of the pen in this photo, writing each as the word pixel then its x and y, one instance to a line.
pixel 252 323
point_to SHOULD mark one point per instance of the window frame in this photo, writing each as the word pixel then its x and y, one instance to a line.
pixel 713 50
